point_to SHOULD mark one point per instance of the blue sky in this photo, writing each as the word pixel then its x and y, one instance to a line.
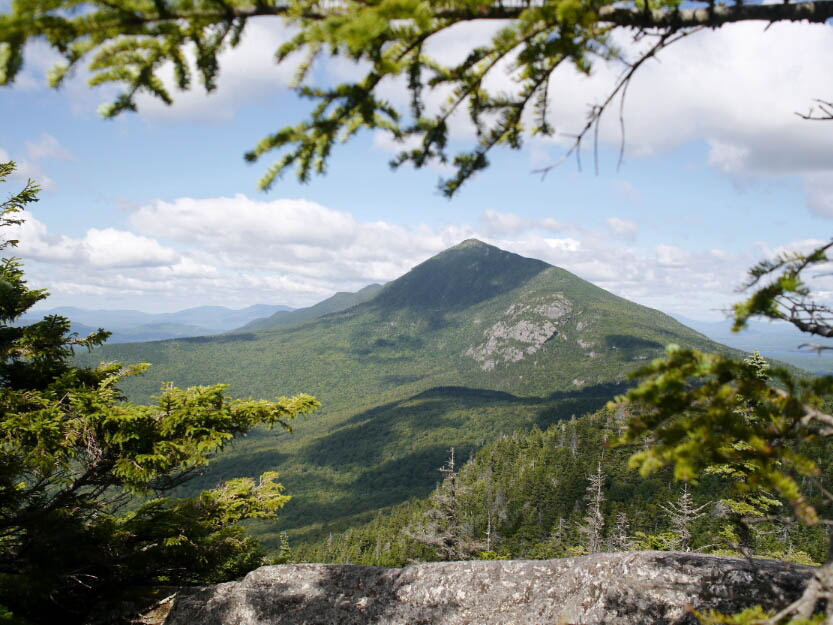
pixel 158 211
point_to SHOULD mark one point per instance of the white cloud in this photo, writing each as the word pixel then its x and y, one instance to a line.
pixel 671 256
pixel 238 222
pixel 116 248
pixel 29 167
pixel 247 72
pixel 105 248
pixel 239 251
pixel 622 228
pixel 563 245
pixel 736 88
pixel 495 222
pixel 26 169
pixel 728 158
pixel 37 243
pixel 46 146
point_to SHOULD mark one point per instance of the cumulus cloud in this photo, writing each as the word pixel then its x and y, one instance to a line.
pixel 116 248
pixel 27 170
pixel 296 237
pixel 671 256
pixel 737 88
pixel 100 248
pixel 497 223
pixel 238 251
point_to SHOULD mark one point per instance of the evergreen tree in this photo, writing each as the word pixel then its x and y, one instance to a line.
pixel 682 513
pixel 442 528
pixel 84 475
pixel 700 411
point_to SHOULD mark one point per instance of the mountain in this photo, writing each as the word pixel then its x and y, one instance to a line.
pixel 471 344
pixel 134 325
pixel 778 340
pixel 338 302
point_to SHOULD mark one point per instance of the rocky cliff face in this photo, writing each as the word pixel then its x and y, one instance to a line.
pixel 522 331
pixel 632 588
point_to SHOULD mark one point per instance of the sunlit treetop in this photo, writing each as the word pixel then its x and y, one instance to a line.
pixel 128 42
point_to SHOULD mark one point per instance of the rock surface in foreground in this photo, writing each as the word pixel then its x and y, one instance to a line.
pixel 613 589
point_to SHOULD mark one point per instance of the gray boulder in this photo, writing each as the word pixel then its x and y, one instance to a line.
pixel 613 589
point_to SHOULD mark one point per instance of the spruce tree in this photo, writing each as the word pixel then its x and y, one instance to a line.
pixel 696 411
pixel 85 476
pixel 442 528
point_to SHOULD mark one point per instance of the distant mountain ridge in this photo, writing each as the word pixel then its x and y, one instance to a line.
pixel 338 302
pixel 135 325
pixel 778 340
pixel 474 343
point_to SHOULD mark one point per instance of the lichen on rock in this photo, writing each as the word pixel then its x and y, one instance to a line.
pixel 630 588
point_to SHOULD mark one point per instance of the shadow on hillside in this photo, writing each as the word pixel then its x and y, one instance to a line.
pixel 415 475
pixel 369 436
pixel 392 452
pixel 607 389
pixel 629 345
pixel 227 466
pixel 212 338
pixel 566 404
pixel 405 426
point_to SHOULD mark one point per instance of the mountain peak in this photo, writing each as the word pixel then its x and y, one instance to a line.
pixel 461 276
pixel 473 243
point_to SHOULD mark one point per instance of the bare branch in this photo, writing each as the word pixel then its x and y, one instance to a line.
pixel 825 113
pixel 597 110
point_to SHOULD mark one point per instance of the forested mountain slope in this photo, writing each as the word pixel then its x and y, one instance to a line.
pixel 338 302
pixel 531 495
pixel 472 343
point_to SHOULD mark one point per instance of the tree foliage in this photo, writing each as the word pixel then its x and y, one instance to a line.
pixel 705 412
pixel 527 493
pixel 443 526
pixel 129 42
pixel 84 474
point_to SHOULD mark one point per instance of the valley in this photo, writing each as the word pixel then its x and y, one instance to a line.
pixel 471 344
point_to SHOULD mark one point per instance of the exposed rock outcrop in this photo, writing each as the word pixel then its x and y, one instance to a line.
pixel 632 588
pixel 523 330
